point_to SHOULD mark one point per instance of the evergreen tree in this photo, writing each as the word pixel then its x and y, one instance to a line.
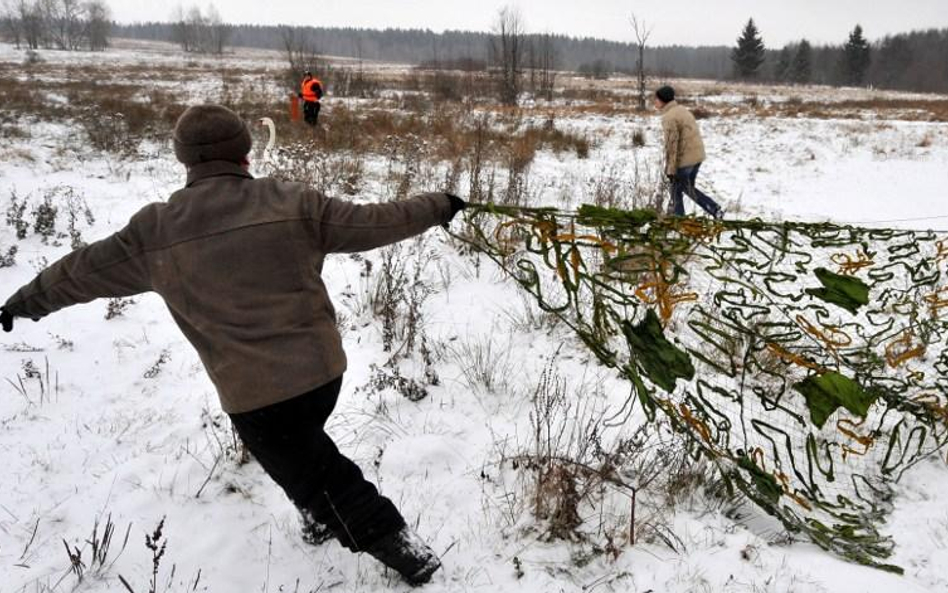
pixel 895 59
pixel 855 58
pixel 749 53
pixel 784 60
pixel 801 70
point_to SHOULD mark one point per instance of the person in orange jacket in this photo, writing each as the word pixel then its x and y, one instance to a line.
pixel 311 91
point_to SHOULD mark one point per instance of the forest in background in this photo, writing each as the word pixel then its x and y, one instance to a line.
pixel 914 61
pixel 911 61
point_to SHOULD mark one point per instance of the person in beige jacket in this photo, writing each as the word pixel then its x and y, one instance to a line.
pixel 684 153
pixel 238 260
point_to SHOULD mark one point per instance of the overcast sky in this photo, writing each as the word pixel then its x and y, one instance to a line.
pixel 683 22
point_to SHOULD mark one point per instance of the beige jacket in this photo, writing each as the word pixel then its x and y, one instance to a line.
pixel 237 261
pixel 683 144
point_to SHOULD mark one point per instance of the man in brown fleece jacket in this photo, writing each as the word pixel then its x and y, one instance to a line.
pixel 684 153
pixel 237 260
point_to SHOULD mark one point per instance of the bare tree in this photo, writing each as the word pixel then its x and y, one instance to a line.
pixel 545 65
pixel 198 32
pixel 181 33
pixel 642 33
pixel 63 22
pixel 507 47
pixel 9 20
pixel 98 24
pixel 197 28
pixel 300 52
pixel 219 32
pixel 29 21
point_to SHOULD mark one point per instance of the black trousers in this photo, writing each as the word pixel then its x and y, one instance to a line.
pixel 311 112
pixel 288 440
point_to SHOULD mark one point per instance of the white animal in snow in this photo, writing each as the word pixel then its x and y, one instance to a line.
pixel 290 163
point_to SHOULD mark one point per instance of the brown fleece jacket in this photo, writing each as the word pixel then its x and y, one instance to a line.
pixel 683 144
pixel 237 261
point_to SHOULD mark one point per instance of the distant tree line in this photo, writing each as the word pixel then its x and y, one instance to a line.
pixel 421 46
pixel 56 24
pixel 910 61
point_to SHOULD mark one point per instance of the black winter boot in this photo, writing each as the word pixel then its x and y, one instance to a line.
pixel 405 552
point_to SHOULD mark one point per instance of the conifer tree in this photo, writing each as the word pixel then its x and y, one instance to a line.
pixel 784 61
pixel 801 70
pixel 749 53
pixel 856 57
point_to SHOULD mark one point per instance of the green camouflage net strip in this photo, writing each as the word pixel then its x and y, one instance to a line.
pixel 808 361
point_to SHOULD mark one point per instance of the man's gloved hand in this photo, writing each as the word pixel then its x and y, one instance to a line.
pixel 457 204
pixel 300 95
pixel 6 320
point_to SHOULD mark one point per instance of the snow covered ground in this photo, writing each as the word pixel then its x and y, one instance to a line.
pixel 114 419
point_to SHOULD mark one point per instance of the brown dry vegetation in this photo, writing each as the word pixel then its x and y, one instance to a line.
pixel 123 104
pixel 449 112
pixel 935 110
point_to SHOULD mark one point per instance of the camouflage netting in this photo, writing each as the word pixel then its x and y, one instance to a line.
pixel 808 361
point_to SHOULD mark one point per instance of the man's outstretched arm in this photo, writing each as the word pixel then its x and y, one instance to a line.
pixel 347 227
pixel 113 267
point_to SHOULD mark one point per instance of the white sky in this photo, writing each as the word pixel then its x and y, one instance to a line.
pixel 682 22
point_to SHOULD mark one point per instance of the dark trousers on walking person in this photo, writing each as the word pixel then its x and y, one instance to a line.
pixel 684 183
pixel 311 112
pixel 288 439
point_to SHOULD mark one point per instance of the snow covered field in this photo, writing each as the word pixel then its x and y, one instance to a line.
pixel 114 419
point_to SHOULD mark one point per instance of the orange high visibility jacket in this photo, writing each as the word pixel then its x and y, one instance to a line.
pixel 312 90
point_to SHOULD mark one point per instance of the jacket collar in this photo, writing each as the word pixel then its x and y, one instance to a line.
pixel 668 106
pixel 214 169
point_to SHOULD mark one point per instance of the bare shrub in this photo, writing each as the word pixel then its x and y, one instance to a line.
pixel 44 217
pixel 447 86
pixel 47 382
pixel 339 174
pixel 591 478
pixel 608 188
pixel 155 369
pixel 76 209
pixel 406 157
pixel 520 154
pixel 353 82
pixel 100 542
pixel 158 546
pixel 108 132
pixel 16 211
pixel 8 259
pixel 484 362
pixel 389 376
pixel 480 189
pixel 400 290
pixel 568 463
pixel 116 307
pixel 550 137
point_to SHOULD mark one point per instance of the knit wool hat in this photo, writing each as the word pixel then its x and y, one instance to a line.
pixel 210 133
pixel 666 94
